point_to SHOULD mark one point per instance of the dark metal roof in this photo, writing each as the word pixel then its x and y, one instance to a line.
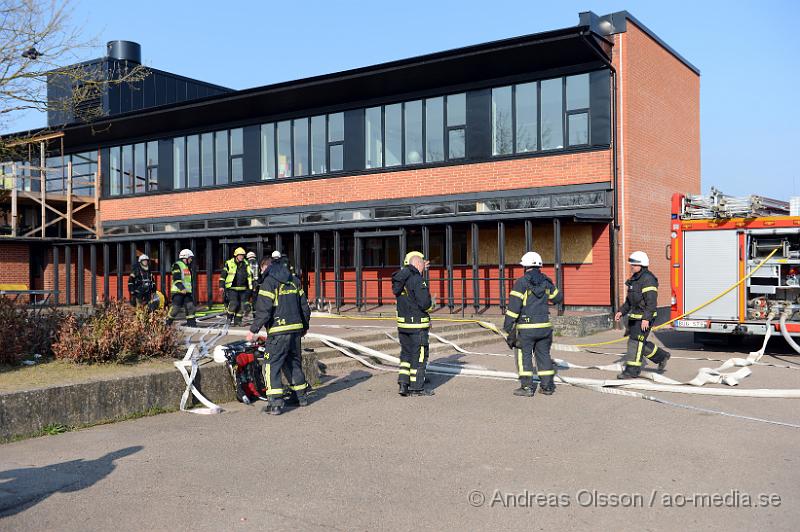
pixel 494 60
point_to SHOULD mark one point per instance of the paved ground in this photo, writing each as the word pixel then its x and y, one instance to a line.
pixel 473 457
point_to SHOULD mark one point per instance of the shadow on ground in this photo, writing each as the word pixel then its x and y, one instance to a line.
pixel 23 488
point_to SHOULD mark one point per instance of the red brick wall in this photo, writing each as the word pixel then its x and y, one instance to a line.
pixel 14 264
pixel 659 126
pixel 588 167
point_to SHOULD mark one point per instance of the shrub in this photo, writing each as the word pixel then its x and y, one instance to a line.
pixel 116 333
pixel 25 331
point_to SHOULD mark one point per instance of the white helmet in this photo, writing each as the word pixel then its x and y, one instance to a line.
pixel 251 255
pixel 219 354
pixel 185 254
pixel 531 260
pixel 276 255
pixel 639 258
pixel 143 257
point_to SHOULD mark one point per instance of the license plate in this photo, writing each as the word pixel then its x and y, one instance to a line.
pixel 691 324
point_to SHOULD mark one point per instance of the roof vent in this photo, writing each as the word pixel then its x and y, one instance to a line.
pixel 124 51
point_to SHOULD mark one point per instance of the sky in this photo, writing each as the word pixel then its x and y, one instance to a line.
pixel 747 52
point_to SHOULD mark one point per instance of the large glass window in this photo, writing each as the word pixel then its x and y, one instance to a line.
pixel 221 156
pixel 336 142
pixel 413 131
pixel 502 131
pixel 139 168
pixel 237 154
pixel 285 149
pixel 114 170
pixel 578 92
pixel 578 128
pixel 552 114
pixel 456 125
pixel 207 159
pixel 318 145
pixel 301 147
pixel 178 163
pixel 193 160
pixel 152 165
pixel 268 151
pixel 525 101
pixel 434 130
pixel 127 169
pixel 393 114
pixel 374 137
pixel 578 110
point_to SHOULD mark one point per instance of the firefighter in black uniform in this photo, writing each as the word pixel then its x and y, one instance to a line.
pixel 141 286
pixel 413 304
pixel 237 282
pixel 640 306
pixel 528 325
pixel 282 307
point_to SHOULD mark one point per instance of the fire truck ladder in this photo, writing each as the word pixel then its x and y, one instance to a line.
pixel 718 205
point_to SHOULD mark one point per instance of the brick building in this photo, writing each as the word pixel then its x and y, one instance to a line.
pixel 569 142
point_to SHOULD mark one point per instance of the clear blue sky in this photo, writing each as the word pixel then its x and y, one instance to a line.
pixel 748 53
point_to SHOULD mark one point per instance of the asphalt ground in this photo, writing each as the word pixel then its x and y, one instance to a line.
pixel 472 457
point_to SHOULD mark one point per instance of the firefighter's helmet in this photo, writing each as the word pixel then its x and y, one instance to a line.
pixel 185 254
pixel 639 258
pixel 531 260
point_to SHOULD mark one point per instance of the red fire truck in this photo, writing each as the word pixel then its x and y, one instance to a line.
pixel 718 240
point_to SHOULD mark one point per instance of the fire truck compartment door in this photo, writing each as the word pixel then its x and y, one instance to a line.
pixel 710 265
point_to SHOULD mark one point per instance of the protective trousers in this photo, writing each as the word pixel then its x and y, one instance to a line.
pixel 638 347
pixel 238 300
pixel 537 342
pixel 413 358
pixel 283 352
pixel 180 301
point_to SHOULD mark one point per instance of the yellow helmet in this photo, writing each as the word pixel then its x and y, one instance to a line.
pixel 410 255
pixel 238 251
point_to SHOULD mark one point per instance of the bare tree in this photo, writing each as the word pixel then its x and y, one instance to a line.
pixel 39 42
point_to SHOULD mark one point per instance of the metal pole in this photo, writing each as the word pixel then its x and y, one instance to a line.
pixel 337 268
pixel 278 243
pixel 193 268
pixel 426 247
pixel 210 272
pixel 317 269
pixel 79 277
pixel 120 266
pixel 68 276
pixel 297 265
pixel 403 245
pixel 162 265
pixel 259 249
pixel 357 260
pixel 557 259
pixel 448 245
pixel 528 236
pixel 106 271
pixel 55 275
pixel 476 288
pixel 501 262
pixel 93 270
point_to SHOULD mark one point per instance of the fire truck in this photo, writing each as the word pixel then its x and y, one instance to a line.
pixel 717 240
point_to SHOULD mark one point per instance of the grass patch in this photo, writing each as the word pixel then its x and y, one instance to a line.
pixel 54 429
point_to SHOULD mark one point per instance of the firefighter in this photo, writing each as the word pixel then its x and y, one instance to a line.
pixel 141 286
pixel 640 306
pixel 282 307
pixel 528 325
pixel 252 263
pixel 181 288
pixel 237 283
pixel 414 302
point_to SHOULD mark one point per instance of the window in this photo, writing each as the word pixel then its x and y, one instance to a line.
pixel 456 124
pixel 434 130
pixel 139 168
pixel 114 169
pixel 336 142
pixel 300 147
pixel 221 156
pixel 502 131
pixel 413 131
pixel 207 159
pixel 127 169
pixel 237 155
pixel 285 149
pixel 268 151
pixel 374 136
pixel 526 105
pixel 393 115
pixel 152 165
pixel 193 161
pixel 179 163
pixel 578 110
pixel 318 145
pixel 552 114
